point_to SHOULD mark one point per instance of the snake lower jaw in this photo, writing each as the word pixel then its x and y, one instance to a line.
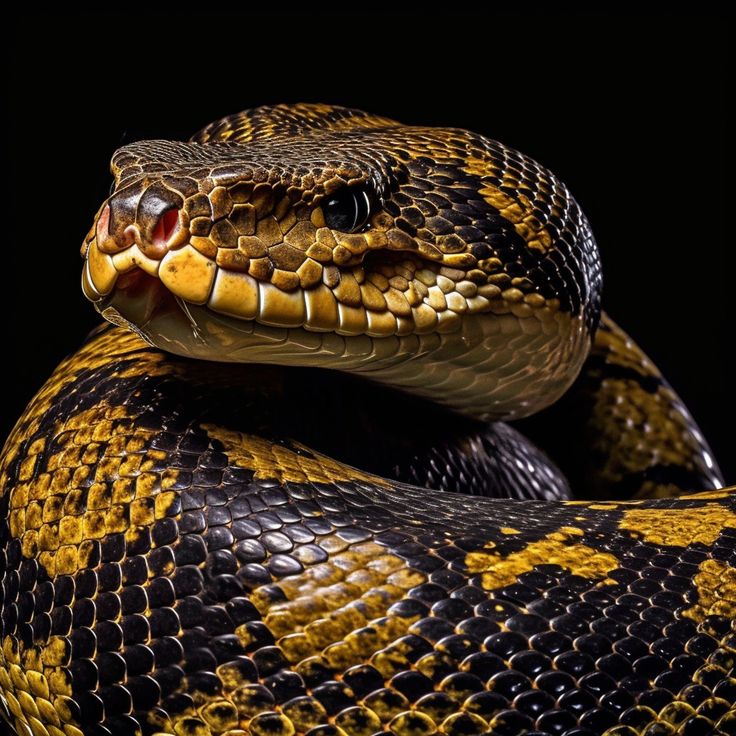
pixel 418 364
pixel 143 305
pixel 136 300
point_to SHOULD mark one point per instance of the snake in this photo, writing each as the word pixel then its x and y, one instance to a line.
pixel 357 452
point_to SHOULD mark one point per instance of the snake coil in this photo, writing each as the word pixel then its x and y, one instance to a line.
pixel 279 494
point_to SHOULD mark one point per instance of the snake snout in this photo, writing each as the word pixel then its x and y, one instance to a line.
pixel 149 220
pixel 135 230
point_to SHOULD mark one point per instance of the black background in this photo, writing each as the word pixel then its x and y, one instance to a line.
pixel 628 109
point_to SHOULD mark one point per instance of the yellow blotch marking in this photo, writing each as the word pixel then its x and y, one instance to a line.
pixel 621 409
pixel 328 606
pixel 557 548
pixel 635 428
pixel 48 514
pixel 243 129
pixel 603 506
pixel 335 613
pixel 110 345
pixel 711 495
pixel 621 350
pixel 589 504
pixel 518 210
pixel 37 687
pixel 271 461
pixel 509 530
pixel 715 582
pixel 48 509
pixel 679 527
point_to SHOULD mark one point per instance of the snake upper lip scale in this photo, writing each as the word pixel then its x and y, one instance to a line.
pixel 279 495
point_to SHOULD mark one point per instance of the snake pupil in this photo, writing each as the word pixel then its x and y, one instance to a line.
pixel 347 210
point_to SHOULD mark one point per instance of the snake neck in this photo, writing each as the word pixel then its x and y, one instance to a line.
pixel 481 373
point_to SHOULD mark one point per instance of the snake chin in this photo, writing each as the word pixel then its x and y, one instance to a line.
pixel 138 302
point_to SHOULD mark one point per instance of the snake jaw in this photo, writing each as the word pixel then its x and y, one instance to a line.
pixel 136 301
pixel 453 336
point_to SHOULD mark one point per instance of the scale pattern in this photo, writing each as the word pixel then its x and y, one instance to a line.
pixel 163 573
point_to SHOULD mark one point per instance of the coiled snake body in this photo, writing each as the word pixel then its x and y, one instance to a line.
pixel 314 520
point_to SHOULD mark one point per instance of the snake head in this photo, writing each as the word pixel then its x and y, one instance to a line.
pixel 326 236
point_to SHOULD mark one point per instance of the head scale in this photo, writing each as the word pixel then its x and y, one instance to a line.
pixel 433 259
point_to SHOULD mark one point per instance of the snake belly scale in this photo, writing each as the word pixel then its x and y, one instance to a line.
pixel 278 494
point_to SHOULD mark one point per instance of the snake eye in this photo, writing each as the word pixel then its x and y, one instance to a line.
pixel 347 210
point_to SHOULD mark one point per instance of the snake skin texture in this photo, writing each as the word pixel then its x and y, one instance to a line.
pixel 206 529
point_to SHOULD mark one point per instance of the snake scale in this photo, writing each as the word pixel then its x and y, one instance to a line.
pixel 278 494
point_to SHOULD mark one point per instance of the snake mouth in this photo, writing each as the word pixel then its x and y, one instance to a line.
pixel 137 301
pixel 386 293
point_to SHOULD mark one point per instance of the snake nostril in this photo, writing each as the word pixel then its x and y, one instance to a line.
pixel 103 224
pixel 166 226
